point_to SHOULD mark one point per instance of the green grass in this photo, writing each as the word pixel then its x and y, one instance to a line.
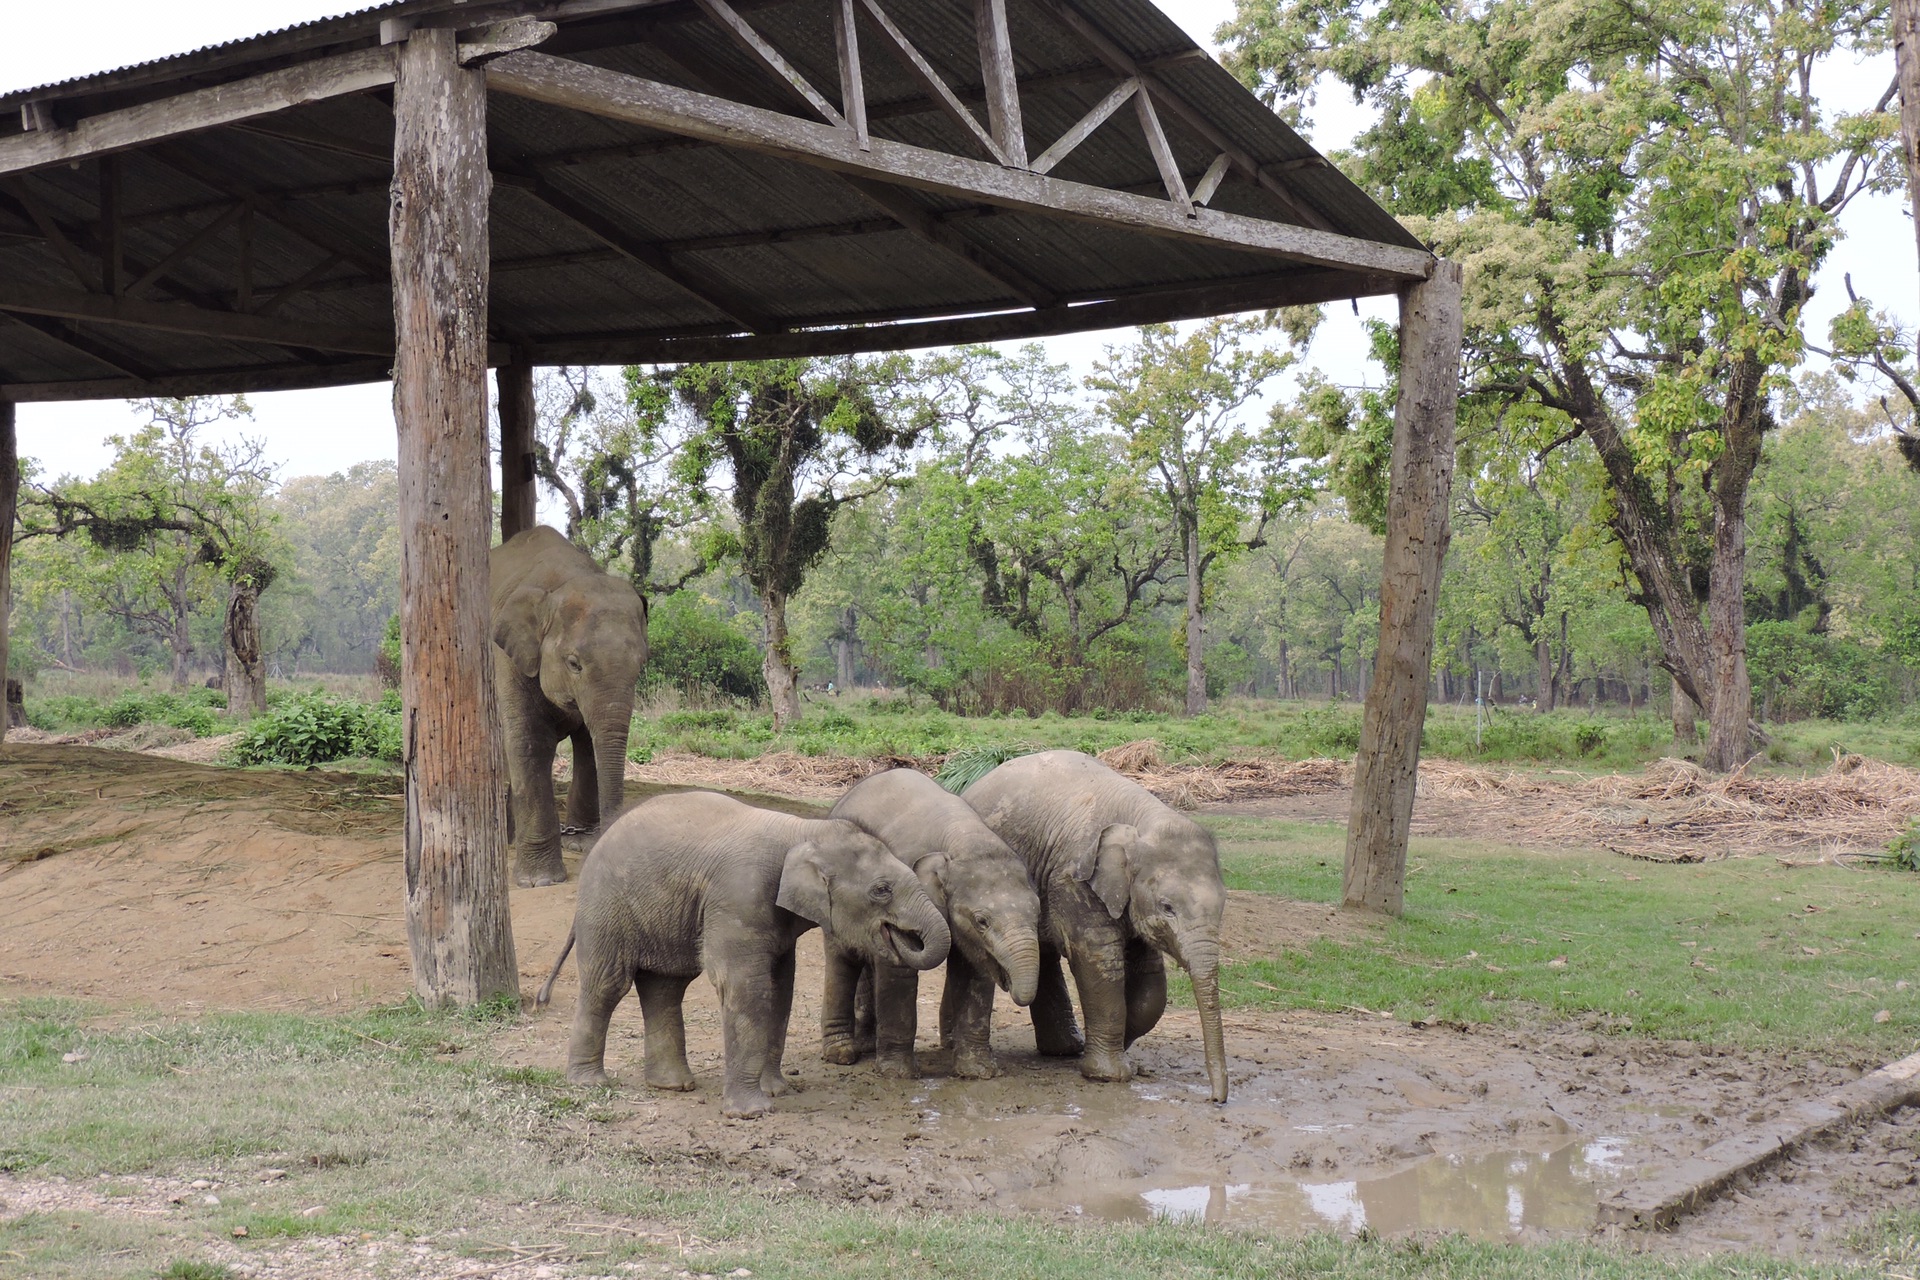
pixel 377 1118
pixel 1744 952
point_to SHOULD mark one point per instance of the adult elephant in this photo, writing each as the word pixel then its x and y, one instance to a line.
pixel 1122 880
pixel 569 642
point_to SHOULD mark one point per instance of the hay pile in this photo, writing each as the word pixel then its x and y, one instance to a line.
pixel 1188 786
pixel 822 778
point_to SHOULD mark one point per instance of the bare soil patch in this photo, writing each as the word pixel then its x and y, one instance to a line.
pixel 139 881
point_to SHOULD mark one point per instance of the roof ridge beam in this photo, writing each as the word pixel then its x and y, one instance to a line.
pixel 1001 81
pixel 195 321
pixel 111 131
pixel 670 109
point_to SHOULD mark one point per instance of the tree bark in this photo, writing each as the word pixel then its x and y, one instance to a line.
pixel 1196 625
pixel 180 637
pixel 1730 705
pixel 843 648
pixel 1543 660
pixel 1906 69
pixel 783 685
pixel 456 804
pixel 1685 713
pixel 9 503
pixel 517 494
pixel 246 673
pixel 1418 529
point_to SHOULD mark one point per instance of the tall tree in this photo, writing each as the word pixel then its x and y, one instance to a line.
pixel 800 439
pixel 1178 400
pixel 1641 196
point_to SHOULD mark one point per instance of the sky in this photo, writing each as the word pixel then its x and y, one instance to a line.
pixel 318 432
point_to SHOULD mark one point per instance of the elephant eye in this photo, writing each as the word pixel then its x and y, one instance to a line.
pixel 1166 908
pixel 881 892
pixel 983 920
pixel 573 662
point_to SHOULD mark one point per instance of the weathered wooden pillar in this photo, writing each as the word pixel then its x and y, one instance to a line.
pixel 456 818
pixel 515 381
pixel 9 503
pixel 1418 502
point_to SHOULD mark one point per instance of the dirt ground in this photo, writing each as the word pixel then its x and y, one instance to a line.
pixel 135 880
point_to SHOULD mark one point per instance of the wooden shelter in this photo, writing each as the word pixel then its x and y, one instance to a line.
pixel 432 187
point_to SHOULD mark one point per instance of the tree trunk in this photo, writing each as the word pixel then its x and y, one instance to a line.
pixel 1685 712
pixel 456 801
pixel 246 673
pixel 1543 661
pixel 180 638
pixel 1286 671
pixel 1906 67
pixel 1196 626
pixel 843 648
pixel 783 683
pixel 9 503
pixel 1730 704
pixel 517 495
pixel 1418 529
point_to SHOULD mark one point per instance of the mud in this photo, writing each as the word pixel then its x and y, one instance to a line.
pixel 137 881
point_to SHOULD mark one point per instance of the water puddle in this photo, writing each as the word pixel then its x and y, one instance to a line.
pixel 1489 1194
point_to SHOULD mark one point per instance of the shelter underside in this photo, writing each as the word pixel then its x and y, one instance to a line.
pixel 670 180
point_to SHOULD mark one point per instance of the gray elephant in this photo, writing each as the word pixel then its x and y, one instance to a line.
pixel 980 885
pixel 1122 879
pixel 701 883
pixel 569 642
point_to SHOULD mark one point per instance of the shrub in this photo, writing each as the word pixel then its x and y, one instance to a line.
pixel 1589 738
pixel 705 656
pixel 386 660
pixel 1799 674
pixel 1331 731
pixel 181 711
pixel 314 728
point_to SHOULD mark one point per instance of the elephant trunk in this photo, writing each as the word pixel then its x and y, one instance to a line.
pixel 1017 952
pixel 1200 956
pixel 610 765
pixel 921 938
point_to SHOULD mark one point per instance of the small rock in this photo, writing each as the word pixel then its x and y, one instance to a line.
pixel 239 1233
pixel 210 1199
pixel 1558 962
pixel 199 1184
pixel 78 1055
pixel 313 1211
pixel 272 1175
pixel 1885 1015
pixel 1586 1046
pixel 739 1271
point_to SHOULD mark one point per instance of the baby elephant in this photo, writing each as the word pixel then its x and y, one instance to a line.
pixel 982 887
pixel 700 883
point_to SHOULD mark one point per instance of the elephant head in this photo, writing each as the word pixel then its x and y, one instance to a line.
pixel 586 643
pixel 852 886
pixel 1165 879
pixel 995 916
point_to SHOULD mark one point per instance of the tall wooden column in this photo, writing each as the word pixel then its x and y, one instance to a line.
pixel 1418 502
pixel 515 381
pixel 9 502
pixel 456 819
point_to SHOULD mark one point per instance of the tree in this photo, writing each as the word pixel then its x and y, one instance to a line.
pixel 1641 196
pixel 344 566
pixel 800 439
pixel 1178 401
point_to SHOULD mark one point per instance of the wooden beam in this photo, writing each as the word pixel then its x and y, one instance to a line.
pixel 517 419
pixel 901 206
pixel 171 317
pixel 67 335
pixel 9 503
pixel 853 87
pixel 293 288
pixel 920 69
pixel 1123 62
pixel 770 58
pixel 675 110
pixel 1210 180
pixel 1418 527
pixel 1000 80
pixel 456 812
pixel 314 230
pixel 1083 128
pixel 304 82
pixel 188 247
pixel 107 235
pixel 1260 293
pixel 1163 157
pixel 54 233
pixel 287 376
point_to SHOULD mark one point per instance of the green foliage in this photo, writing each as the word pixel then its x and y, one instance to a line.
pixel 188 1269
pixel 704 655
pixel 191 710
pixel 968 765
pixel 1799 674
pixel 316 728
pixel 386 662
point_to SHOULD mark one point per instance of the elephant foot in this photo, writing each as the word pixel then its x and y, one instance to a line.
pixel 671 1080
pixel 589 1075
pixel 775 1085
pixel 897 1066
pixel 1057 1044
pixel 976 1065
pixel 1095 1065
pixel 839 1052
pixel 745 1105
pixel 538 875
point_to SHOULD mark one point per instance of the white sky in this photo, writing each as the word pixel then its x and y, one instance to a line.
pixel 323 431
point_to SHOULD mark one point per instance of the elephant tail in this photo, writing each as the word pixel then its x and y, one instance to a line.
pixel 546 988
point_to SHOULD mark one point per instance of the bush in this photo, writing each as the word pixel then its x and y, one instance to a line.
pixel 386 660
pixel 702 654
pixel 1798 674
pixel 187 711
pixel 315 728
pixel 1589 738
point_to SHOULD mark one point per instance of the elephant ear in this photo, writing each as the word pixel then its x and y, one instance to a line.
pixel 1108 868
pixel 805 887
pixel 932 871
pixel 516 629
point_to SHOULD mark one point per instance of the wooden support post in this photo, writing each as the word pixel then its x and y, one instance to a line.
pixel 456 816
pixel 515 381
pixel 1418 511
pixel 9 501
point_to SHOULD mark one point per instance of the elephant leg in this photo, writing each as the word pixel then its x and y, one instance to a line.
pixel 1146 988
pixel 773 1082
pixel 970 1031
pixel 746 1023
pixel 1100 975
pixel 896 1010
pixel 583 794
pixel 661 996
pixel 864 1039
pixel 836 1007
pixel 1055 1033
pixel 600 993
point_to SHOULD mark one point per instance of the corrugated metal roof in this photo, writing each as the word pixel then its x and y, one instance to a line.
pixel 581 202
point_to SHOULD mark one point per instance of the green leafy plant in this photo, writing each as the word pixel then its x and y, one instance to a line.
pixel 315 728
pixel 970 764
